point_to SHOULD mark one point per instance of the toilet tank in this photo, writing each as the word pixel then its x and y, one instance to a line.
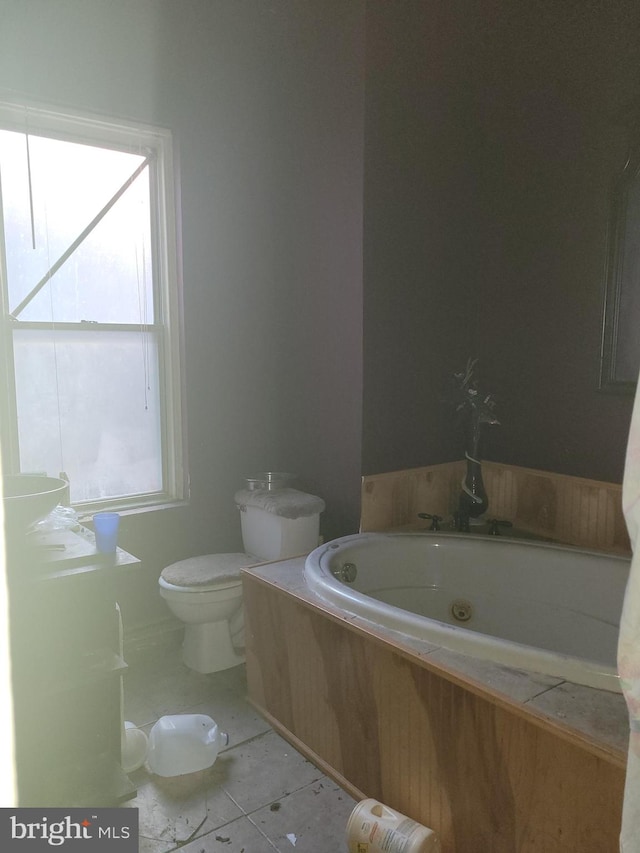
pixel 279 524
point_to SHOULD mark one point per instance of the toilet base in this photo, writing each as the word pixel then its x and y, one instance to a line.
pixel 207 647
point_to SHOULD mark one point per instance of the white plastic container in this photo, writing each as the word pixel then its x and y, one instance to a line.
pixel 184 743
pixel 134 747
pixel 376 828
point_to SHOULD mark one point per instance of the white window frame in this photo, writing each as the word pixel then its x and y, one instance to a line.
pixel 139 139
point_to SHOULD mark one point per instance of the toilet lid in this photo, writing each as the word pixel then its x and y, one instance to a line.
pixel 207 570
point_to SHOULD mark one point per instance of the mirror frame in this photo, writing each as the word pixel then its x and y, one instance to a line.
pixel 621 278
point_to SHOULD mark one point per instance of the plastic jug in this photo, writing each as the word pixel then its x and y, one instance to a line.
pixel 376 828
pixel 184 743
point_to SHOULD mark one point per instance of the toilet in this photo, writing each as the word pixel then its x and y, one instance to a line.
pixel 205 592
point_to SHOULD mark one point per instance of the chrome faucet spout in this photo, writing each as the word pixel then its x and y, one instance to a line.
pixel 495 524
pixel 461 521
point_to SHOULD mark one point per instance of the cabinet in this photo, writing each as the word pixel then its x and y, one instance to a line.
pixel 66 670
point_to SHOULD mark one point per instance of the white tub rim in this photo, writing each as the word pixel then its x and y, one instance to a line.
pixel 509 653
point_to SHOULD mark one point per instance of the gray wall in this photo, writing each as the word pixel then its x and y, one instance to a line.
pixel 421 209
pixel 491 149
pixel 265 100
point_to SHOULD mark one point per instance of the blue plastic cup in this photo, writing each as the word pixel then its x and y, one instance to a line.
pixel 105 525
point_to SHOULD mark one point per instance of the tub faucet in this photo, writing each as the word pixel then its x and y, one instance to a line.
pixel 461 521
pixel 495 524
pixel 435 520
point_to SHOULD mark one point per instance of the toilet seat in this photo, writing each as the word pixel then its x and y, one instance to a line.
pixel 206 594
pixel 207 572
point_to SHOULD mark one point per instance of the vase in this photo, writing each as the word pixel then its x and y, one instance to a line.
pixel 473 497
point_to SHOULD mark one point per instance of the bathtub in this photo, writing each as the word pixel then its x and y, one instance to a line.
pixel 531 605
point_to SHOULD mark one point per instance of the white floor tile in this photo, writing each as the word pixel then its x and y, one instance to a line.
pixel 260 795
pixel 316 816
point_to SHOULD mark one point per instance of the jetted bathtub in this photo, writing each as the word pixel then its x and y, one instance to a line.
pixel 531 605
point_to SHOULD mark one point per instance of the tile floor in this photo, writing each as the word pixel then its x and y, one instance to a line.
pixel 259 796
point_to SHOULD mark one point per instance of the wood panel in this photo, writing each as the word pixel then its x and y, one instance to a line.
pixel 486 778
pixel 394 499
pixel 569 510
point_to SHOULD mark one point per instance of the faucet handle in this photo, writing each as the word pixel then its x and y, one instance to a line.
pixel 435 520
pixel 495 524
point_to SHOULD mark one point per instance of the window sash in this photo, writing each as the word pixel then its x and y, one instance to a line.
pixel 92 399
pixel 75 244
pixel 156 145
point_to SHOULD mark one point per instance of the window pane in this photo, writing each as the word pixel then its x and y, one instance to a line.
pixel 88 404
pixel 108 277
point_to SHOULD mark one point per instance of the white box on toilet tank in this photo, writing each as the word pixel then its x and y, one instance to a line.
pixel 272 537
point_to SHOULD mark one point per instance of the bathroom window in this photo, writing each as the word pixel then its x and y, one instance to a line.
pixel 90 295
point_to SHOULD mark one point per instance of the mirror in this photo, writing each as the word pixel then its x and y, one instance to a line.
pixel 620 355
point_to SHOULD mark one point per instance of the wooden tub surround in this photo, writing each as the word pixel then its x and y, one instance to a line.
pixel 568 510
pixel 495 760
